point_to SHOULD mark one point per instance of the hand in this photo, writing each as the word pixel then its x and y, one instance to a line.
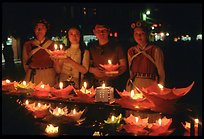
pixel 98 72
pixel 132 51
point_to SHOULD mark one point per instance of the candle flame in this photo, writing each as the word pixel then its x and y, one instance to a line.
pixel 26 102
pixel 85 85
pixel 103 85
pixel 159 121
pixel 160 86
pixel 8 81
pixel 42 86
pixel 74 111
pixel 24 83
pixel 196 121
pixel 136 119
pixel 56 47
pixel 61 46
pixel 39 104
pixel 112 118
pixel 61 85
pixel 109 62
pixel 50 129
pixel 132 93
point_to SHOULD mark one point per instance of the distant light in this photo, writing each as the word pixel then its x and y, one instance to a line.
pixel 199 37
pixel 153 27
pixel 167 34
pixel 148 12
pixel 144 17
pixel 111 34
pixel 115 34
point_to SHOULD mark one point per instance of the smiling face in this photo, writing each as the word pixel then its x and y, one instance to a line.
pixel 40 31
pixel 74 36
pixel 140 36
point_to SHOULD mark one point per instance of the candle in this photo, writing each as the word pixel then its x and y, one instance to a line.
pixel 160 121
pixel 103 86
pixel 61 85
pixel 74 111
pixel 132 93
pixel 39 104
pixel 8 81
pixel 42 86
pixel 26 102
pixel 56 47
pixel 61 46
pixel 24 83
pixel 109 62
pixel 196 127
pixel 136 119
pixel 85 85
pixel 161 86
pixel 50 129
pixel 112 119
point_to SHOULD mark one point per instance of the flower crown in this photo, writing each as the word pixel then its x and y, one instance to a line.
pixel 138 24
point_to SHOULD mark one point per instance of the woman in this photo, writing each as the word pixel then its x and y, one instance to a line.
pixel 36 56
pixel 77 62
pixel 146 61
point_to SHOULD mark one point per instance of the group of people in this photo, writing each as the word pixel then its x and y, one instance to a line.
pixel 144 61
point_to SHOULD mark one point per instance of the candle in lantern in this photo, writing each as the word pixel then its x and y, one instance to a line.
pixel 136 119
pixel 161 86
pixel 50 129
pixel 109 62
pixel 74 111
pixel 26 102
pixel 160 122
pixel 132 93
pixel 61 85
pixel 24 83
pixel 42 86
pixel 8 81
pixel 61 46
pixel 104 94
pixel 196 127
pixel 85 85
pixel 112 119
pixel 56 47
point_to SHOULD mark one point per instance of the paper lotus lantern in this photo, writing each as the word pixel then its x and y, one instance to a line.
pixel 164 99
pixel 187 127
pixel 42 90
pixel 113 119
pixel 58 53
pixel 109 67
pixel 58 111
pixel 75 115
pixel 132 120
pixel 160 127
pixel 50 129
pixel 23 87
pixel 85 95
pixel 62 93
pixel 7 85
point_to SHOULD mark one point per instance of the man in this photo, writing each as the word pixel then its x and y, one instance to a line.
pixel 100 52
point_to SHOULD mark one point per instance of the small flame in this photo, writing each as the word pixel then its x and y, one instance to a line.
pixel 39 104
pixel 112 118
pixel 109 62
pixel 160 86
pixel 160 121
pixel 8 81
pixel 103 85
pixel 42 86
pixel 85 85
pixel 61 85
pixel 61 46
pixel 56 47
pixel 50 129
pixel 74 111
pixel 136 119
pixel 24 83
pixel 26 102
pixel 132 93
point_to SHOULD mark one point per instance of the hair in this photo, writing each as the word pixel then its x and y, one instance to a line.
pixel 43 21
pixel 141 24
pixel 82 45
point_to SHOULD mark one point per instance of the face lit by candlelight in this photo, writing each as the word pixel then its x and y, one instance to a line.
pixel 40 31
pixel 74 35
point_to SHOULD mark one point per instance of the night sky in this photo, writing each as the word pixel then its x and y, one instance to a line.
pixel 180 17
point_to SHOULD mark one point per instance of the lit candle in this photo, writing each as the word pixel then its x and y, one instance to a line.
pixel 26 102
pixel 160 121
pixel 61 46
pixel 109 62
pixel 136 119
pixel 39 104
pixel 24 83
pixel 61 85
pixel 42 86
pixel 160 86
pixel 56 47
pixel 8 81
pixel 85 85
pixel 132 93
pixel 112 119
pixel 103 85
pixel 74 111
pixel 196 126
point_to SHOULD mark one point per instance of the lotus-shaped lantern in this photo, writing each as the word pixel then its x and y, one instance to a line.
pixel 62 93
pixel 41 90
pixel 23 87
pixel 187 126
pixel 164 98
pixel 51 130
pixel 114 119
pixel 7 85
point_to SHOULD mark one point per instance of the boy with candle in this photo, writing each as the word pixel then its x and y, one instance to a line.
pixel 36 59
pixel 100 52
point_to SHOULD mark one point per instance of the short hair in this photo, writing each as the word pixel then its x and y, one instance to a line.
pixel 43 21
